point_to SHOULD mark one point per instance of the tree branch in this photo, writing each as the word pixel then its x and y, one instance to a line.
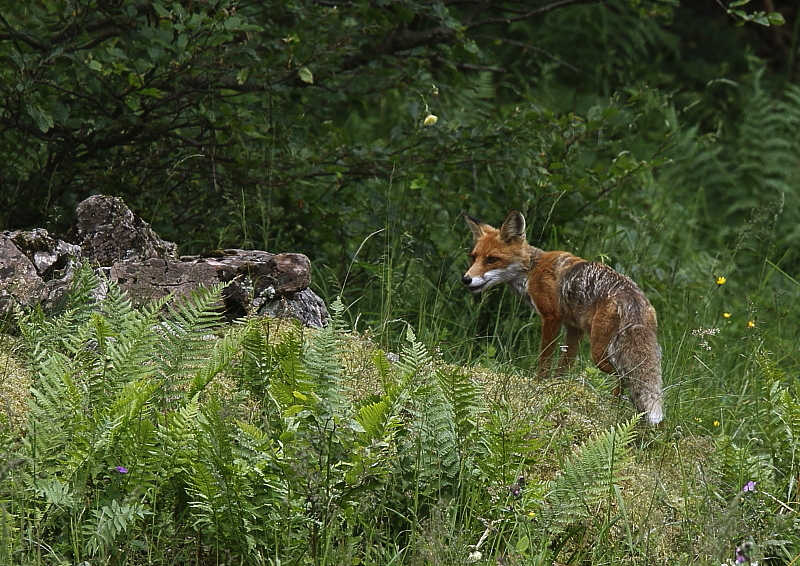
pixel 531 13
pixel 469 66
pixel 530 47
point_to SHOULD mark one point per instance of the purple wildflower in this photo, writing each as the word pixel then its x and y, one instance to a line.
pixel 749 486
pixel 121 470
pixel 742 553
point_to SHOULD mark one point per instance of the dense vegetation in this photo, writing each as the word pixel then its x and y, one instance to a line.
pixel 661 138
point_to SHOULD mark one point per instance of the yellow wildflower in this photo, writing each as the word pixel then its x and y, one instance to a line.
pixel 726 315
pixel 751 324
pixel 430 120
pixel 721 281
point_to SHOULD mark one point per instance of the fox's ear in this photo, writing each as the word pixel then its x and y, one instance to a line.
pixel 513 227
pixel 478 228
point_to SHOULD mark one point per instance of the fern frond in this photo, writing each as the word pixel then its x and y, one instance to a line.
pixel 321 359
pixel 465 396
pixel 109 523
pixel 222 354
pixel 374 417
pixel 590 476
pixel 183 343
pixel 257 364
pixel 438 442
pixel 177 436
pixel 414 356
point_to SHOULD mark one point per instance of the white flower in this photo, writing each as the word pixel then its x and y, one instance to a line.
pixel 430 120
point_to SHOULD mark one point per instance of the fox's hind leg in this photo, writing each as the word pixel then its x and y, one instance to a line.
pixel 600 338
pixel 603 330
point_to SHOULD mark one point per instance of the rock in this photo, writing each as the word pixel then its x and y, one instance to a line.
pixel 107 231
pixel 304 305
pixel 255 278
pixel 36 268
pixel 19 282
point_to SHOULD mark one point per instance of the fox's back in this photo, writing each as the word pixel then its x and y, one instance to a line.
pixel 582 287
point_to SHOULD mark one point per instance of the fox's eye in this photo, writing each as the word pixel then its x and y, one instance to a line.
pixel 491 259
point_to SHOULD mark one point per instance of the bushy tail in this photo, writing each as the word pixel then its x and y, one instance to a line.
pixel 636 357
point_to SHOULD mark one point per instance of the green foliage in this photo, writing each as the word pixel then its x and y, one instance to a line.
pixel 96 417
pixel 588 483
pixel 745 179
pixel 150 430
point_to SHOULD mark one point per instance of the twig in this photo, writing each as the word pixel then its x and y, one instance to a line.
pixel 526 46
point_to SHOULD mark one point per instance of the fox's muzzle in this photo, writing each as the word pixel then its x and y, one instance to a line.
pixel 474 287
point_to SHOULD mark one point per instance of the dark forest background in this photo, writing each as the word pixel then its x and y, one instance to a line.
pixel 660 136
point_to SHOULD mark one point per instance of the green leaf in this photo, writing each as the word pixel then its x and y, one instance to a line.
pixel 162 11
pixel 154 92
pixel 523 544
pixel 44 121
pixel 776 18
pixel 611 112
pixel 233 23
pixel 305 75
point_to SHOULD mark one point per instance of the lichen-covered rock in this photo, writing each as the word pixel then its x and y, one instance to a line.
pixel 254 278
pixel 36 268
pixel 19 282
pixel 304 305
pixel 107 231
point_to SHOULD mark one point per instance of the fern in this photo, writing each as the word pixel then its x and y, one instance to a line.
pixel 414 357
pixel 258 362
pixel 465 396
pixel 324 368
pixel 381 417
pixel 434 423
pixel 177 437
pixel 109 523
pixel 221 481
pixel 185 342
pixel 588 480
pixel 747 173
pixel 766 447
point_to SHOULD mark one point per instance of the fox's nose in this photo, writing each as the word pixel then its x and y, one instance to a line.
pixel 466 280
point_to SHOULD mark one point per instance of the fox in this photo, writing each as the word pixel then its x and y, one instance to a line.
pixel 585 297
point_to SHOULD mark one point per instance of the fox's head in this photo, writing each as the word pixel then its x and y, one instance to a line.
pixel 499 256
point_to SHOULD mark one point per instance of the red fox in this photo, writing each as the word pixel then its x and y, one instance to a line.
pixel 586 297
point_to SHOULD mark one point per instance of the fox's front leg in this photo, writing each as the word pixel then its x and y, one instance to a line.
pixel 551 325
pixel 573 343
